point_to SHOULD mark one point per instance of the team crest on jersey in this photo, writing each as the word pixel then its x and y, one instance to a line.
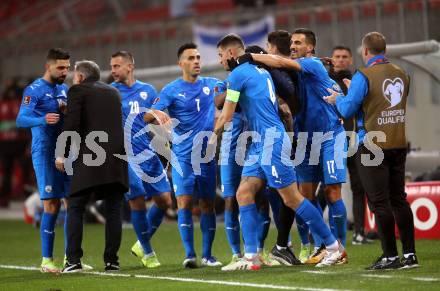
pixel 27 100
pixel 143 95
pixel 206 90
pixel 48 188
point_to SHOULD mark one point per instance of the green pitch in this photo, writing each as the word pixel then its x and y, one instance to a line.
pixel 20 246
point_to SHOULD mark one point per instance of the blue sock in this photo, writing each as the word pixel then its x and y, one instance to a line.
pixel 207 226
pixel 140 225
pixel 315 221
pixel 263 227
pixel 316 238
pixel 331 221
pixel 154 216
pixel 65 233
pixel 248 220
pixel 339 215
pixel 232 228
pixel 186 229
pixel 303 230
pixel 47 233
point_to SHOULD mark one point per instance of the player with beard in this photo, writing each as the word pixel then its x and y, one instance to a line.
pixel 42 110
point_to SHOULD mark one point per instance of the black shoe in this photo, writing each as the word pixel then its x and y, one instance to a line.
pixel 383 263
pixel 410 262
pixel 284 256
pixel 72 268
pixel 112 267
pixel 359 239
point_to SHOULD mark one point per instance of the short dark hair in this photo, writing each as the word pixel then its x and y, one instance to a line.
pixel 124 54
pixel 255 49
pixel 184 47
pixel 342 47
pixel 57 54
pixel 375 42
pixel 88 68
pixel 280 39
pixel 309 34
pixel 230 39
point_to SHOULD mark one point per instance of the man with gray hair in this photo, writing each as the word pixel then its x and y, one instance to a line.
pixel 94 120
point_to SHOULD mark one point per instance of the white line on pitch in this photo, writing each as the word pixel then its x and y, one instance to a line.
pixel 318 272
pixel 378 276
pixel 215 282
pixel 426 279
pixel 423 279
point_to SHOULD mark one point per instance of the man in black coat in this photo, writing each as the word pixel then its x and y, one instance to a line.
pixel 94 112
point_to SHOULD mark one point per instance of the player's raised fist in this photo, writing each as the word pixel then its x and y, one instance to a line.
pixel 52 118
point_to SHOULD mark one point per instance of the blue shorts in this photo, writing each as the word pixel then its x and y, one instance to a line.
pixel 186 184
pixel 276 167
pixel 331 165
pixel 148 179
pixel 52 184
pixel 230 176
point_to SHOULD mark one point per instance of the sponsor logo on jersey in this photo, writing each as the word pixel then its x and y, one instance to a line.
pixel 393 91
pixel 48 188
pixel 156 100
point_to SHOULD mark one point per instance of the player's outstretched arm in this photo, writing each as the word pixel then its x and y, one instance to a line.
pixel 275 61
pixel 156 116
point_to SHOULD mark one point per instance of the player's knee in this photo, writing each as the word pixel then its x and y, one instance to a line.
pixel 244 197
pixel 207 205
pixel 52 205
pixel 163 201
pixel 137 203
pixel 184 202
pixel 333 193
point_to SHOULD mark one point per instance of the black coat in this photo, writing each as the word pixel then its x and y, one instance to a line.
pixel 96 106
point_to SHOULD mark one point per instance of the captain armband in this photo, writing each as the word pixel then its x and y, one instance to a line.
pixel 232 95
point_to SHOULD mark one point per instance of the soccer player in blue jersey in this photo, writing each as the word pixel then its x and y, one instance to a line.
pixel 42 110
pixel 325 155
pixel 269 157
pixel 137 97
pixel 230 172
pixel 190 100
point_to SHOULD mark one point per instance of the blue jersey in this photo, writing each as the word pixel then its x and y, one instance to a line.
pixel 40 98
pixel 257 99
pixel 139 96
pixel 315 114
pixel 193 105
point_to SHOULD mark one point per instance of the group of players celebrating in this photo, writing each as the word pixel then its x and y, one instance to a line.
pixel 264 98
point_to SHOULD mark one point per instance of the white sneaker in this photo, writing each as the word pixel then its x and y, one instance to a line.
pixel 332 257
pixel 211 262
pixel 253 264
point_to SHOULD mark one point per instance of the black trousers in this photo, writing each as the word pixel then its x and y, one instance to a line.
pixel 385 188
pixel 113 201
pixel 358 196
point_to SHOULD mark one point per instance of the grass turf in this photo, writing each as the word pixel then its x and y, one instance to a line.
pixel 20 246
